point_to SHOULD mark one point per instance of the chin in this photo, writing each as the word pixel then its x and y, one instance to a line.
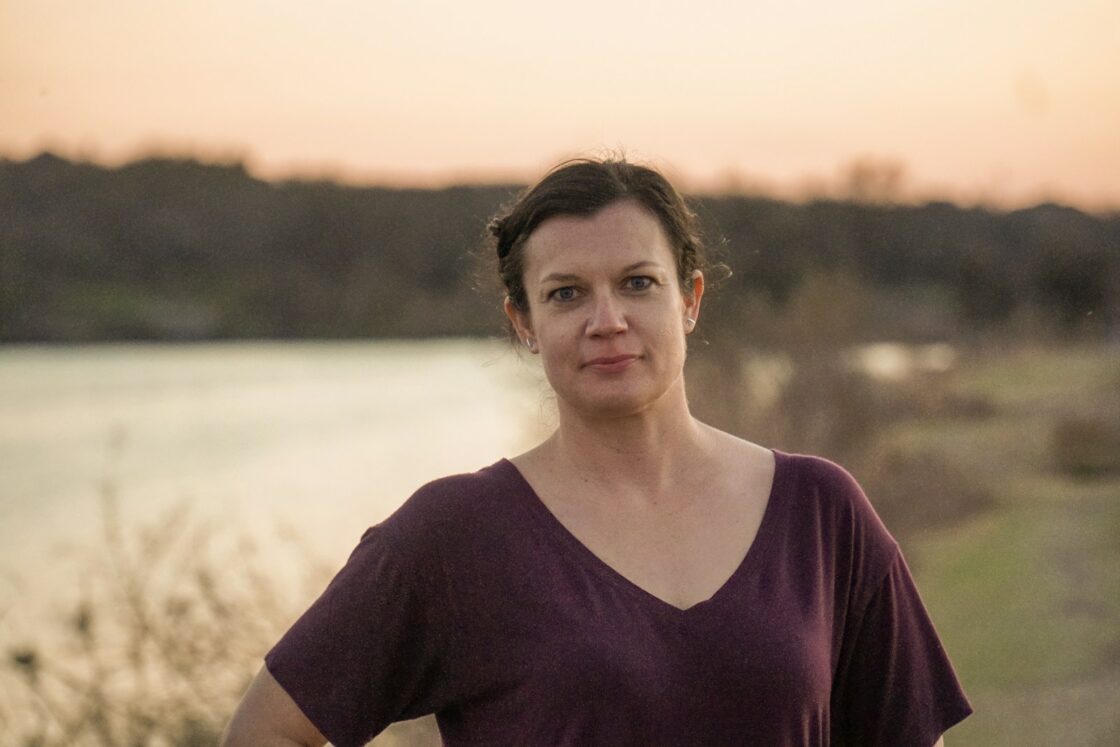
pixel 616 404
pixel 630 394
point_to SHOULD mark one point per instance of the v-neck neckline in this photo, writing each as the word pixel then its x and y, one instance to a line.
pixel 610 574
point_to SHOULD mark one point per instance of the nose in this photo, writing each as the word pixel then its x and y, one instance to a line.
pixel 607 317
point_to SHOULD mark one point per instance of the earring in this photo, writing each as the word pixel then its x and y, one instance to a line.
pixel 531 344
pixel 690 321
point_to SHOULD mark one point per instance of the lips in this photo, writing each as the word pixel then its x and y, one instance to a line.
pixel 610 363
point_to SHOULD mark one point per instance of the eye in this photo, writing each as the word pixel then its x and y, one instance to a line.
pixel 639 283
pixel 566 293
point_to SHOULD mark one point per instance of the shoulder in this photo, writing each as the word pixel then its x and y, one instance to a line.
pixel 826 486
pixel 826 502
pixel 820 474
pixel 453 505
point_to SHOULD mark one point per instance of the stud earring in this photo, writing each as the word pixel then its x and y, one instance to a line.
pixel 690 321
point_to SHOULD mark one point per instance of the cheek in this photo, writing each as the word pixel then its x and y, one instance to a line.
pixel 558 346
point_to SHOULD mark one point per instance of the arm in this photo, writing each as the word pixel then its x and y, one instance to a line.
pixel 268 717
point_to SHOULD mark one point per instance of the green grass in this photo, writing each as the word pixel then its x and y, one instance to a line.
pixel 1019 608
pixel 1027 595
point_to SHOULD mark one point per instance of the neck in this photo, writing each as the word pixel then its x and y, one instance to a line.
pixel 647 450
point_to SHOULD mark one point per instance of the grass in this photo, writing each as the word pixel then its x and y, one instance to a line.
pixel 1027 595
pixel 167 630
pixel 1029 376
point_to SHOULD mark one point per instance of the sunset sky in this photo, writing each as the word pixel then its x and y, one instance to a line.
pixel 999 101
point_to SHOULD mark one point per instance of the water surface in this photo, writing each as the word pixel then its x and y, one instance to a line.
pixel 325 437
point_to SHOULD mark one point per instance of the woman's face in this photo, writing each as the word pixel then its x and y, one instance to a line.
pixel 606 310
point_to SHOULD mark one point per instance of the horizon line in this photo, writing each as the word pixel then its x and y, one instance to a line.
pixel 732 183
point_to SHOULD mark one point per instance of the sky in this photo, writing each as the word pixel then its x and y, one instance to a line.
pixel 1004 102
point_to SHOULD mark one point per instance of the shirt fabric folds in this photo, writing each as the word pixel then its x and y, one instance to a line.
pixel 473 602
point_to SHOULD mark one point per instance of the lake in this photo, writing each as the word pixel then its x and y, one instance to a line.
pixel 315 439
pixel 325 437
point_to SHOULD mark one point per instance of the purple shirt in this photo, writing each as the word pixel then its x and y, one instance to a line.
pixel 473 602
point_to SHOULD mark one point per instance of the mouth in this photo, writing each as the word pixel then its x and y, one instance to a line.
pixel 611 363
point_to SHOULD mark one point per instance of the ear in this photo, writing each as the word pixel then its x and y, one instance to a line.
pixel 692 298
pixel 522 325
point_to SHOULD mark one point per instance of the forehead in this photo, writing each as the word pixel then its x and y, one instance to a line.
pixel 622 233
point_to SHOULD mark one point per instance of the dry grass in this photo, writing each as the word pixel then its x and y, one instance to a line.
pixel 170 625
pixel 164 636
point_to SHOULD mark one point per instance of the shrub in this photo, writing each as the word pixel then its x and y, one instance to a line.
pixel 1087 446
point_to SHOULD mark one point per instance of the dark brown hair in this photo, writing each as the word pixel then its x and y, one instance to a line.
pixel 582 187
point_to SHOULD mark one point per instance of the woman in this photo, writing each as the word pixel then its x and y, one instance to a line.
pixel 637 579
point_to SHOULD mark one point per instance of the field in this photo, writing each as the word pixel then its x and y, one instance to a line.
pixel 1026 593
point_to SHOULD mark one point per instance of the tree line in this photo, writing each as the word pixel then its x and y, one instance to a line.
pixel 175 249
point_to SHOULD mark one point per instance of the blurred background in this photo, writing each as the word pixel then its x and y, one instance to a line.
pixel 244 310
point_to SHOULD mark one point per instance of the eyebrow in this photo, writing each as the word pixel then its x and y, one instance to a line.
pixel 565 277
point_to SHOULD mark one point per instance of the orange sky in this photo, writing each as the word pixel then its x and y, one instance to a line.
pixel 999 101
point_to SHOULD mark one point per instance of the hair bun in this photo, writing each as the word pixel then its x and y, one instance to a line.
pixel 495 226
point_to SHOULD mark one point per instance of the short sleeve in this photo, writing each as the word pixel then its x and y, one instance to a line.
pixel 895 685
pixel 368 651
